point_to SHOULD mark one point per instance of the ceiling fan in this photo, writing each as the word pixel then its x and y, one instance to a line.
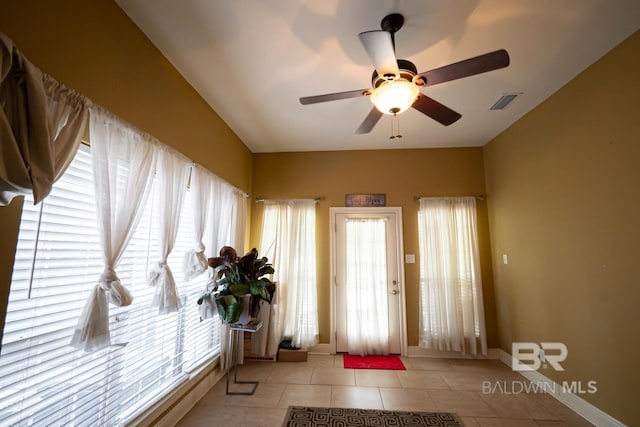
pixel 396 83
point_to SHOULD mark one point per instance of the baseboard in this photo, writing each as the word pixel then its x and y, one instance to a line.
pixel 415 351
pixel 321 349
pixel 574 402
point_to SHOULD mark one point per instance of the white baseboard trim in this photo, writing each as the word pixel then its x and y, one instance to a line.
pixel 321 349
pixel 577 404
pixel 415 351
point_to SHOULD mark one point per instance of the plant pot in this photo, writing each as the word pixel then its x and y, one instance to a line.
pixel 224 305
pixel 245 302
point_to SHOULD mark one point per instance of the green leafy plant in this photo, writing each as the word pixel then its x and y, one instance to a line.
pixel 236 277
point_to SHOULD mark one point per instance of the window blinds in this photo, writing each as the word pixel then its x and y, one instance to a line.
pixel 44 381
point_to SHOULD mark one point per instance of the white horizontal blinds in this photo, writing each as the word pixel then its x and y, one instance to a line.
pixel 148 339
pixel 197 339
pixel 43 380
pixel 169 335
pixel 217 195
pixel 40 375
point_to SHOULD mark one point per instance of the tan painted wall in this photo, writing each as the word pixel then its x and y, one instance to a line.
pixel 401 175
pixel 564 203
pixel 93 47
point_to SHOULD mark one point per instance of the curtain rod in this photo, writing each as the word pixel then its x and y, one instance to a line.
pixel 417 198
pixel 261 200
pixel 195 164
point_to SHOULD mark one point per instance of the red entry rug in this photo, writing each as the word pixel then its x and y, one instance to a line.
pixel 373 362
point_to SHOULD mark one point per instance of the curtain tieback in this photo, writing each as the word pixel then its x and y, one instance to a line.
pixel 157 272
pixel 194 262
pixel 118 294
pixel 108 275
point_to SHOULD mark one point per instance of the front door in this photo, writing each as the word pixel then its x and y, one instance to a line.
pixel 368 280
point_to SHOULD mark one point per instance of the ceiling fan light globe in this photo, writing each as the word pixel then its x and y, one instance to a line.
pixel 395 96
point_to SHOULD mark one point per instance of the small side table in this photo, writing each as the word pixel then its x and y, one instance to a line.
pixel 235 333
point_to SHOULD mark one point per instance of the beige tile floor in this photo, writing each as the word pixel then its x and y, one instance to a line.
pixel 428 384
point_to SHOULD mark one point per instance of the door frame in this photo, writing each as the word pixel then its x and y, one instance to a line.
pixel 402 311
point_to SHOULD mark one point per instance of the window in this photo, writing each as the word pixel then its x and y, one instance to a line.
pixel 289 241
pixel 451 305
pixel 43 380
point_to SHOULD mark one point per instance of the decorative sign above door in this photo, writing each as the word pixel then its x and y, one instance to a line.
pixel 364 200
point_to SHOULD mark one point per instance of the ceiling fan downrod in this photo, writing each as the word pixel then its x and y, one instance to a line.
pixel 392 23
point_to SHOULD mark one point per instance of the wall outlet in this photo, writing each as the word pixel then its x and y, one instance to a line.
pixel 410 259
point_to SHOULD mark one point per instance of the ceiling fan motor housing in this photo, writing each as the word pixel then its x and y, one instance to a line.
pixel 407 71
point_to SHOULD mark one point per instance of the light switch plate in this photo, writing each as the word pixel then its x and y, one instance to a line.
pixel 410 259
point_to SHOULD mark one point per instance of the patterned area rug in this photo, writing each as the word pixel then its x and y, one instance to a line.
pixel 298 416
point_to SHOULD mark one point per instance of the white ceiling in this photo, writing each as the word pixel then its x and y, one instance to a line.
pixel 251 60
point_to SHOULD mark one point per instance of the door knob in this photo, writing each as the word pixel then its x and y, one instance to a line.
pixel 394 292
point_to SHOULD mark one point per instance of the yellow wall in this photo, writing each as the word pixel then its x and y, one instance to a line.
pixel 564 204
pixel 93 47
pixel 562 186
pixel 401 175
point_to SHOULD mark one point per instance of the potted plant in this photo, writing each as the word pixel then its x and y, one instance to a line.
pixel 239 284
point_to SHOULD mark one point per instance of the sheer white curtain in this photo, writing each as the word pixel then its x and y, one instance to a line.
pixel 123 160
pixel 366 287
pixel 451 305
pixel 224 208
pixel 41 125
pixel 172 174
pixel 195 261
pixel 288 240
pixel 237 216
pixel 217 224
pixel 238 220
pixel 274 245
pixel 225 226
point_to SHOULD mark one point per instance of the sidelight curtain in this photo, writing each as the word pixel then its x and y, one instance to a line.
pixel 41 125
pixel 366 287
pixel 123 161
pixel 288 240
pixel 451 305
pixel 172 172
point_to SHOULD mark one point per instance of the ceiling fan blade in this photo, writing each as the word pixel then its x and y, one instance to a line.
pixel 306 100
pixel 370 121
pixel 435 110
pixel 379 47
pixel 469 67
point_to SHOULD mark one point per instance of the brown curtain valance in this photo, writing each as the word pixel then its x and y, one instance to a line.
pixel 41 125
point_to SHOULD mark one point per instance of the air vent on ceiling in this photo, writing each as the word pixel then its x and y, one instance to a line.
pixel 504 101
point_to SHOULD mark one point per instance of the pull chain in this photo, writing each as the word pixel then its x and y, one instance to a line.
pixel 395 119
